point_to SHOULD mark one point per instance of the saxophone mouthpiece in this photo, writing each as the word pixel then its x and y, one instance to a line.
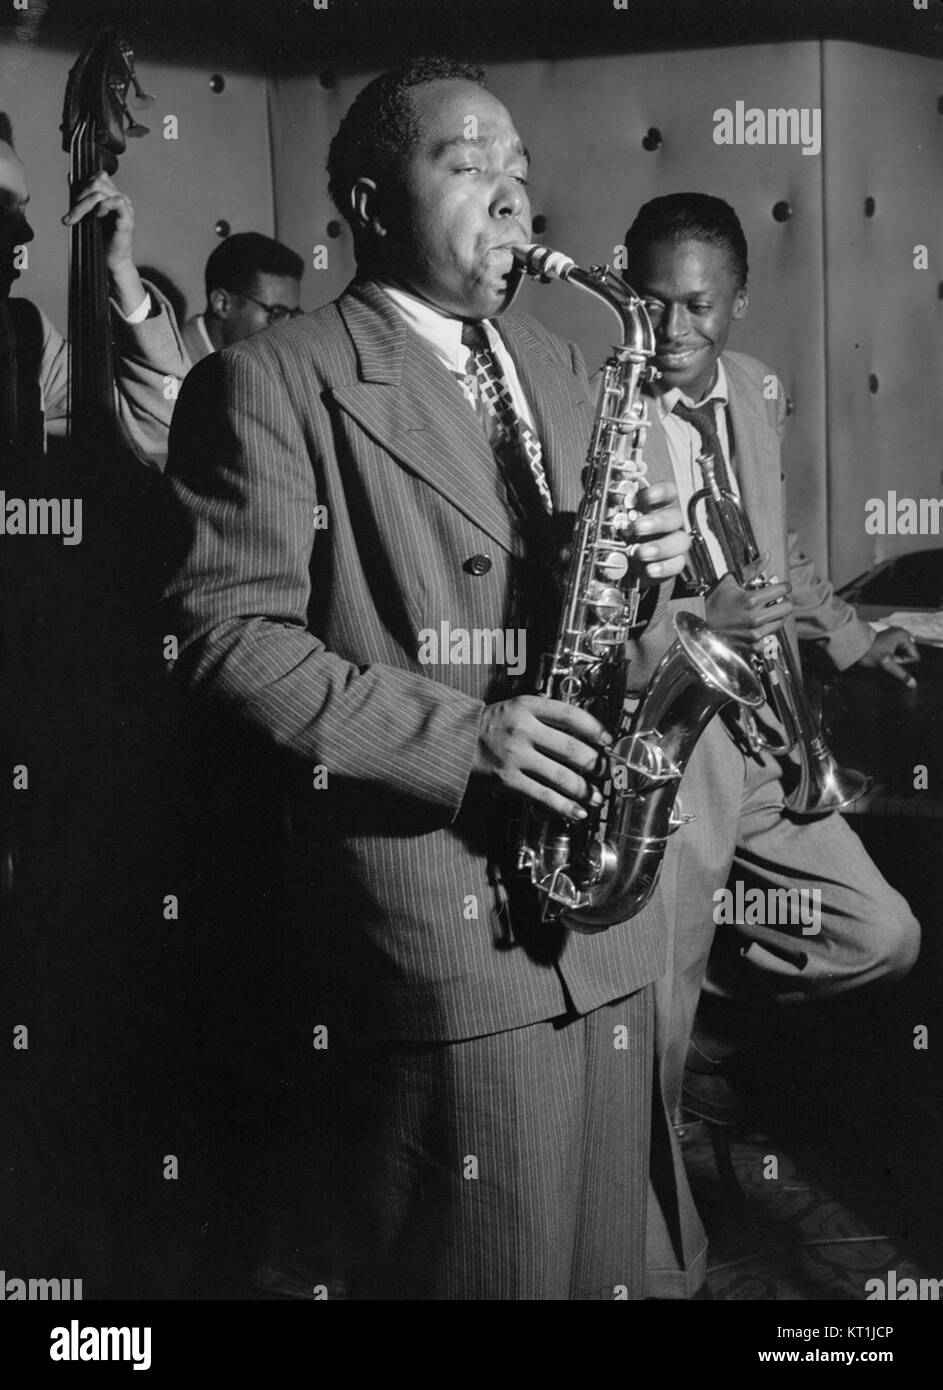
pixel 543 262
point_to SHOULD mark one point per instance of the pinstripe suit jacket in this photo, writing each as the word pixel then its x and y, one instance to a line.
pixel 312 635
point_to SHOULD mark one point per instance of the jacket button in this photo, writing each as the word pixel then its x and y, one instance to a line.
pixel 478 564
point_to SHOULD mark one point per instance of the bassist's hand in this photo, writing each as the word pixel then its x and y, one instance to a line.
pixel 98 197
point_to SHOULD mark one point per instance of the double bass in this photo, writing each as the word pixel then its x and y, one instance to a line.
pixel 47 590
pixel 96 123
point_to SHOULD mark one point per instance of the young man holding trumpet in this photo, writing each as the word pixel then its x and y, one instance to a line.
pixel 715 431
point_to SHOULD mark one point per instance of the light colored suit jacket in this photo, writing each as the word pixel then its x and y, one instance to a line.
pixel 312 635
pixel 757 423
pixel 150 362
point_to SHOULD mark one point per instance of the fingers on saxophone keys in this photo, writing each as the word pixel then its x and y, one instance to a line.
pixel 570 789
pixel 657 495
pixel 549 800
pixel 578 723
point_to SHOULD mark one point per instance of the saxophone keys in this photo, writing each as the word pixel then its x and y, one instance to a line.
pixel 613 566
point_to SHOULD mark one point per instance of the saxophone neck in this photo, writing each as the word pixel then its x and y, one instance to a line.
pixel 638 336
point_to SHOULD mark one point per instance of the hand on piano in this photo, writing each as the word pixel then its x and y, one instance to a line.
pixel 890 647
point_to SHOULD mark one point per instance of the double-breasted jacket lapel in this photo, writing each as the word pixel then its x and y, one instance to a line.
pixel 410 406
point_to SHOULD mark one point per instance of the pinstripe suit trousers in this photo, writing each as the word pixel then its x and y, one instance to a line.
pixel 506 1167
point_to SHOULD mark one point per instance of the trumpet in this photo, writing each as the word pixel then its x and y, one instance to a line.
pixel 822 786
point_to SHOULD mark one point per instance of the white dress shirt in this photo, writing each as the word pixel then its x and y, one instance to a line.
pixel 685 444
pixel 443 333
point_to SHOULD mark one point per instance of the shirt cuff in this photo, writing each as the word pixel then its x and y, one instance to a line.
pixel 140 313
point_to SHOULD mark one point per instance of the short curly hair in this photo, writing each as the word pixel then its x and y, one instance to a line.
pixel 237 262
pixel 690 217
pixel 376 136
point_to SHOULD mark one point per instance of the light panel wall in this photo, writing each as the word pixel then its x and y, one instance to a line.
pixel 836 305
pixel 884 142
pixel 217 168
pixel 584 122
pixel 820 277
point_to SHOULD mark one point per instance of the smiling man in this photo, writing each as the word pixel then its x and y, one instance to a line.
pixel 686 255
pixel 492 1074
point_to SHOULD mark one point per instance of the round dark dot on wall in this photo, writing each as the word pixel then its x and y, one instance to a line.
pixel 539 224
pixel 334 228
pixel 873 384
pixel 652 139
pixel 782 211
pixel 869 206
pixel 327 78
pixel 217 83
pixel 222 227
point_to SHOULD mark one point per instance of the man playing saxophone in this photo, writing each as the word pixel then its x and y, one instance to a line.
pixel 492 1071
pixel 715 430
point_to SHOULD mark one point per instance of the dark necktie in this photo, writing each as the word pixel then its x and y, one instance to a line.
pixel 517 450
pixel 704 420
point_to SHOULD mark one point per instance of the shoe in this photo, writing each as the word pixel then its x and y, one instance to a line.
pixel 710 1097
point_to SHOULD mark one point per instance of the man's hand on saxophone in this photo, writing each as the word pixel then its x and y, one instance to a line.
pixel 550 752
pixel 663 540
pixel 544 750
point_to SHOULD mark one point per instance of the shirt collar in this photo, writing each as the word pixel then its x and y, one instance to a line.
pixel 441 331
pixel 667 400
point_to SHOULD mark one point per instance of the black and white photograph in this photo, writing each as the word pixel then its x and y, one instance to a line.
pixel 471 665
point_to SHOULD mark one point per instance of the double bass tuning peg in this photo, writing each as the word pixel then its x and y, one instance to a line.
pixel 142 100
pixel 133 130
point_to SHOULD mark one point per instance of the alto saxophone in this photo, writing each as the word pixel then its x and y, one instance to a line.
pixel 594 873
pixel 822 786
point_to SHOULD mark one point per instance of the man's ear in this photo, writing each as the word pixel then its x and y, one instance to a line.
pixel 741 303
pixel 365 207
pixel 220 303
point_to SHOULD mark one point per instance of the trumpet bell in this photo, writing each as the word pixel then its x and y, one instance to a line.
pixel 824 787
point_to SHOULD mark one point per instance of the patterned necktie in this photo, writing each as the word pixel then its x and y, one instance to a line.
pixel 704 420
pixel 517 450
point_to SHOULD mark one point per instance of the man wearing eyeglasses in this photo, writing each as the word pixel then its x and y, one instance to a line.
pixel 251 282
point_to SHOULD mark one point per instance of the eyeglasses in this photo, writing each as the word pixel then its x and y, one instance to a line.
pixel 274 313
